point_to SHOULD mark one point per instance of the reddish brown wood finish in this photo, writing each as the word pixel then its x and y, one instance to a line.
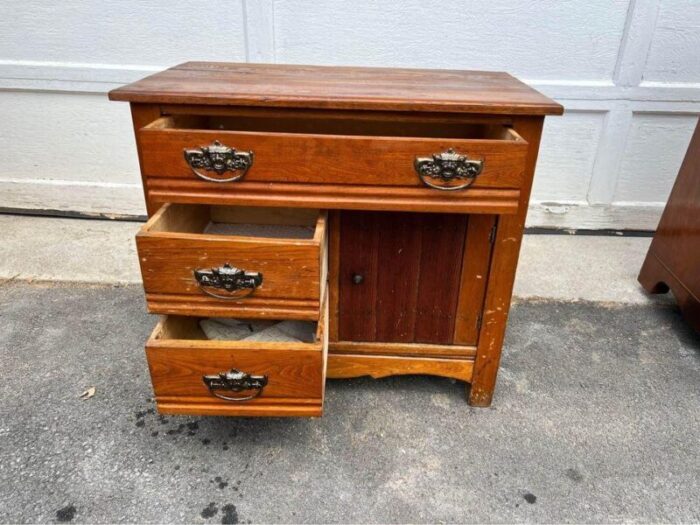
pixel 504 263
pixel 141 115
pixel 411 265
pixel 475 272
pixel 350 135
pixel 333 196
pixel 172 245
pixel 336 159
pixel 355 88
pixel 179 355
pixel 439 282
pixel 673 260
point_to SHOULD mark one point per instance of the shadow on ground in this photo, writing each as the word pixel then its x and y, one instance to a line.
pixel 595 419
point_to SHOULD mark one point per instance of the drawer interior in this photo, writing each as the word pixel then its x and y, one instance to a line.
pixel 240 221
pixel 192 374
pixel 231 332
pixel 366 126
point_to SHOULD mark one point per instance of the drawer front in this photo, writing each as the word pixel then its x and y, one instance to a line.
pixel 194 376
pixel 330 159
pixel 173 261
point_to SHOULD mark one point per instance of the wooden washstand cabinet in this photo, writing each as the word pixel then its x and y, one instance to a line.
pixel 411 186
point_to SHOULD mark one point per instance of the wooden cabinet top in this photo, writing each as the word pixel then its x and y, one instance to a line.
pixel 346 88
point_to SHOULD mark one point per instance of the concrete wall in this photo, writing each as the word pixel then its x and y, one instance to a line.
pixel 627 71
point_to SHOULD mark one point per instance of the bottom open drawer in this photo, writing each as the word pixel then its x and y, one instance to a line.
pixel 193 374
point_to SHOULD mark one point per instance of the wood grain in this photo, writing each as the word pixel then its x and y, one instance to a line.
pixel 180 408
pixel 402 349
pixel 170 249
pixel 356 88
pixel 359 246
pixel 179 355
pixel 333 196
pixel 249 308
pixel 344 366
pixel 141 115
pixel 341 139
pixel 398 274
pixel 333 272
pixel 291 373
pixel 472 286
pixel 439 283
pixel 504 263
pixel 411 264
pixel 333 159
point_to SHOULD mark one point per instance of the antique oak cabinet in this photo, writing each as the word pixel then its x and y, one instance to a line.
pixel 385 207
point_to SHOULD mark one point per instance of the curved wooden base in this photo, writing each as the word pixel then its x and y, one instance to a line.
pixel 656 278
pixel 342 366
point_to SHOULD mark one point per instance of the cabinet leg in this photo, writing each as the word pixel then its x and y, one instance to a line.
pixel 653 276
pixel 479 397
pixel 656 278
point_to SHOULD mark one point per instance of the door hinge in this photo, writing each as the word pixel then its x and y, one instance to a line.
pixel 479 318
pixel 492 234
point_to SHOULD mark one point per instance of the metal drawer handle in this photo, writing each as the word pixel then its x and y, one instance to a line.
pixel 218 159
pixel 236 282
pixel 235 381
pixel 448 171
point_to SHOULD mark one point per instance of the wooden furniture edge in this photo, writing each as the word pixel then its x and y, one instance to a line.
pixel 377 366
pixel 656 277
pixel 502 269
pixel 402 349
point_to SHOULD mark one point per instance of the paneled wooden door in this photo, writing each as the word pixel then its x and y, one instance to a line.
pixel 412 277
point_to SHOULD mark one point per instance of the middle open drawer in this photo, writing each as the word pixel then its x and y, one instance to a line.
pixel 232 261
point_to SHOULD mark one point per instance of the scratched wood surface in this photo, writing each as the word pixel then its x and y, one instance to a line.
pixel 354 88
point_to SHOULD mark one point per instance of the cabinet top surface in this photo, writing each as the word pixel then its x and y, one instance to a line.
pixel 348 88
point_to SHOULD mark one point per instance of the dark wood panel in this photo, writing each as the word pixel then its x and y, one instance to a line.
pixel 411 265
pixel 359 241
pixel 475 272
pixel 357 88
pixel 399 273
pixel 345 365
pixel 438 287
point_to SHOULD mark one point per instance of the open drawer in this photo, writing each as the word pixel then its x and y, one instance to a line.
pixel 233 261
pixel 192 374
pixel 370 151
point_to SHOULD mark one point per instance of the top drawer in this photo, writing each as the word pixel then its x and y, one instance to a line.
pixel 225 149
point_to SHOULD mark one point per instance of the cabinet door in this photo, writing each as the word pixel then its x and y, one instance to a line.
pixel 412 277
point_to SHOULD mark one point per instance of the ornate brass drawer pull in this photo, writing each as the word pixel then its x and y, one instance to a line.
pixel 236 282
pixel 235 381
pixel 220 160
pixel 448 171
